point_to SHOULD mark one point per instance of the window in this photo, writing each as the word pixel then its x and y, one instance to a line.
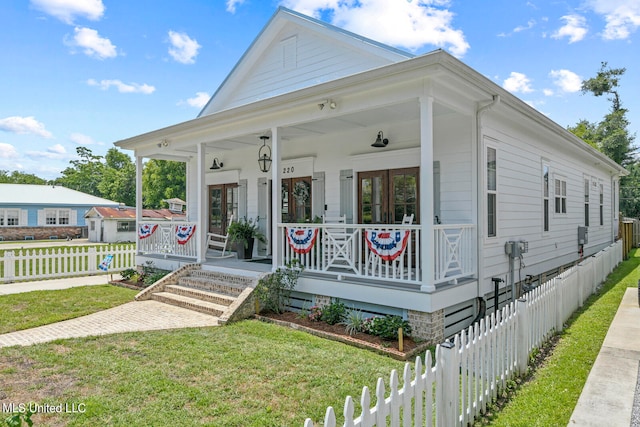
pixel 92 225
pixel 560 196
pixel 492 193
pixel 125 226
pixel 601 204
pixel 57 217
pixel 545 198
pixel 13 216
pixel 586 202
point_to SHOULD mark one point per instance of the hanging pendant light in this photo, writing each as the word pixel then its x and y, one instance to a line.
pixel 264 155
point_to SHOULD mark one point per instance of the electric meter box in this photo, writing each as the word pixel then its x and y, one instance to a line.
pixel 583 235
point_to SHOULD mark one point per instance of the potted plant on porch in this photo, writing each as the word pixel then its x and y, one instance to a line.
pixel 244 232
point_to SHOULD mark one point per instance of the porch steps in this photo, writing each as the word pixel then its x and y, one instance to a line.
pixel 217 293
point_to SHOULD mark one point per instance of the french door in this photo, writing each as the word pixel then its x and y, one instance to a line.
pixel 385 196
pixel 296 199
pixel 223 202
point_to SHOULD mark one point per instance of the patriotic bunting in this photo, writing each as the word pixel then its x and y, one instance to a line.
pixel 184 233
pixel 388 245
pixel 146 230
pixel 301 240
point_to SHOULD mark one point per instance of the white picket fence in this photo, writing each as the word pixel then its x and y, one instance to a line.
pixel 474 367
pixel 35 264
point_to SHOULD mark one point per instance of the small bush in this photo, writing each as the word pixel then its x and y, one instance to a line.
pixel 354 322
pixel 387 327
pixel 315 314
pixel 128 273
pixel 274 291
pixel 334 313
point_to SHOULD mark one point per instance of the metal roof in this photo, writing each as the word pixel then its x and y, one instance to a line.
pixel 55 195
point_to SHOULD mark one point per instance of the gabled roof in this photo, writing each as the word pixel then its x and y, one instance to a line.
pixel 130 213
pixel 54 195
pixel 259 73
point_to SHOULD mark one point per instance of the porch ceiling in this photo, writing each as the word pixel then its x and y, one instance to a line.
pixel 403 112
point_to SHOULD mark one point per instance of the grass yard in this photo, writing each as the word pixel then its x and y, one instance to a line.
pixel 31 309
pixel 245 374
pixel 551 396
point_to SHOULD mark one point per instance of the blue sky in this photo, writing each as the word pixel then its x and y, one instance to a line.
pixel 91 72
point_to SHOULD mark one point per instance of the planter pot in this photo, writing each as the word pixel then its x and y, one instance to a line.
pixel 245 253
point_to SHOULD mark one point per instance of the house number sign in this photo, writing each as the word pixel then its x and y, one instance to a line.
pixel 293 168
pixel 288 170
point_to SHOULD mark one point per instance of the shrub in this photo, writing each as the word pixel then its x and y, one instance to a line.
pixel 128 273
pixel 354 322
pixel 315 313
pixel 274 291
pixel 334 313
pixel 387 327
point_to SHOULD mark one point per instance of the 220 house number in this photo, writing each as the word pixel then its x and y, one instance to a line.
pixel 287 170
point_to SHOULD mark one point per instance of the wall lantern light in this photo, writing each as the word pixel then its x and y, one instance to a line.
pixel 381 141
pixel 264 155
pixel 216 164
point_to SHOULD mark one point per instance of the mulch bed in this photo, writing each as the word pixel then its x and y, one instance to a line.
pixel 411 349
pixel 136 286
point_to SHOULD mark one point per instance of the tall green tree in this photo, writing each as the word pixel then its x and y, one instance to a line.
pixel 118 181
pixel 611 135
pixel 84 174
pixel 17 177
pixel 163 179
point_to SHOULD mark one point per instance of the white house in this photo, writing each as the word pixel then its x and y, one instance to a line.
pixel 358 129
pixel 111 225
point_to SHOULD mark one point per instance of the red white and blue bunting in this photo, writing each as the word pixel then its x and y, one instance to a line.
pixel 146 230
pixel 388 245
pixel 301 240
pixel 184 233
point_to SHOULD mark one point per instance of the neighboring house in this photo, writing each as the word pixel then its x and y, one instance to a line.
pixel 110 225
pixel 38 212
pixel 358 129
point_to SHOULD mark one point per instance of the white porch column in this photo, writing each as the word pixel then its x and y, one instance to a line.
pixel 138 192
pixel 276 198
pixel 202 214
pixel 426 199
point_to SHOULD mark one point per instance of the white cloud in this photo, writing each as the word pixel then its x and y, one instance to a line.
pixel 566 80
pixel 575 28
pixel 81 139
pixel 68 10
pixel 123 87
pixel 198 101
pixel 622 17
pixel 231 5
pixel 408 24
pixel 517 82
pixel 530 24
pixel 8 151
pixel 548 92
pixel 55 152
pixel 24 125
pixel 92 44
pixel 183 48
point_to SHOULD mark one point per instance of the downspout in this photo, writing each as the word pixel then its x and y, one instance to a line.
pixel 480 183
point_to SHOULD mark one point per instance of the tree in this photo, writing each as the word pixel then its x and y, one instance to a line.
pixel 611 135
pixel 162 179
pixel 20 178
pixel 118 181
pixel 84 174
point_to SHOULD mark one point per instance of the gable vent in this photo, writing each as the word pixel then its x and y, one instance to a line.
pixel 289 53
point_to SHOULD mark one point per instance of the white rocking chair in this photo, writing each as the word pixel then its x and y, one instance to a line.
pixel 219 242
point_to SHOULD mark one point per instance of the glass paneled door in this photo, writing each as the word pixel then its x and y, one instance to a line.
pixel 385 196
pixel 223 202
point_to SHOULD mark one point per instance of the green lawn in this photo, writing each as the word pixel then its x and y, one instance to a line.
pixel 245 374
pixel 31 309
pixel 549 399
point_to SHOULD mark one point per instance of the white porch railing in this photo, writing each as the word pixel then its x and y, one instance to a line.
pixel 47 263
pixel 164 240
pixel 473 368
pixel 342 250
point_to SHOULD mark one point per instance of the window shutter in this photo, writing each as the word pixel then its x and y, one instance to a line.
pixel 73 217
pixel 24 217
pixel 346 194
pixel 41 220
pixel 242 198
pixel 317 195
pixel 263 213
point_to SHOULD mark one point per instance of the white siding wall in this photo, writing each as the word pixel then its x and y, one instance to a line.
pixel 520 156
pixel 315 60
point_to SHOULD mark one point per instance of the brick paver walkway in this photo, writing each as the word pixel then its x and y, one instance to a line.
pixel 129 317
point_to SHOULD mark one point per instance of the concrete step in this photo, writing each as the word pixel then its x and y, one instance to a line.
pixel 209 296
pixel 190 303
pixel 209 284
